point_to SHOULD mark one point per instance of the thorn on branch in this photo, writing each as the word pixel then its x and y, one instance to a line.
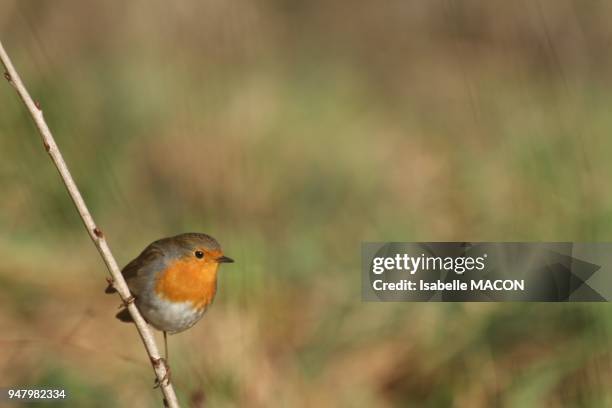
pixel 98 232
pixel 47 147
pixel 129 300
pixel 8 76
pixel 37 104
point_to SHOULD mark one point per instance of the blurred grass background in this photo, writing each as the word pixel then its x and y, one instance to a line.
pixel 292 131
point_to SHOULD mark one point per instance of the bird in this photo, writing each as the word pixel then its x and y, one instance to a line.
pixel 173 282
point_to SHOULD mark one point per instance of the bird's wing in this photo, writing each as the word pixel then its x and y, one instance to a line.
pixel 135 273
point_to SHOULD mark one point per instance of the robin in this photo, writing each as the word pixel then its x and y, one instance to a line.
pixel 174 281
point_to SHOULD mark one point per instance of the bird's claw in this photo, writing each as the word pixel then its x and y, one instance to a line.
pixel 156 362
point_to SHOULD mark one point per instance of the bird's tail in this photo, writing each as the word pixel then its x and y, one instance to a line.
pixel 124 316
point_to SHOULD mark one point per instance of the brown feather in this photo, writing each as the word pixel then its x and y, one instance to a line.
pixel 132 271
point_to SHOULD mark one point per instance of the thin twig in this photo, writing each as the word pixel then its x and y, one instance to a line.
pixel 94 232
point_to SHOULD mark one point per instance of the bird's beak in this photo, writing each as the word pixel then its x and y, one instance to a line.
pixel 225 259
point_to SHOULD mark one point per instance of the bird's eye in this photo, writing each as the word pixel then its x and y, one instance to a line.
pixel 199 254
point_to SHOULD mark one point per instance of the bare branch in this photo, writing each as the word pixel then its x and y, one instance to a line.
pixel 94 232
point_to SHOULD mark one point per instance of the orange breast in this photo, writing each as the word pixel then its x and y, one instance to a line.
pixel 189 281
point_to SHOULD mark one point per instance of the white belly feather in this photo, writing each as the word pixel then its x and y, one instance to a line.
pixel 172 317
